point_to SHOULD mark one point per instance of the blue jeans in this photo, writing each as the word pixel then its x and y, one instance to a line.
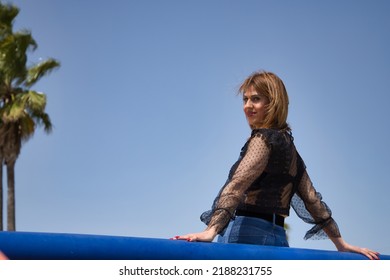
pixel 250 230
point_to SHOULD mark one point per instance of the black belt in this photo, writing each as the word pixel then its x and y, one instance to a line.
pixel 273 218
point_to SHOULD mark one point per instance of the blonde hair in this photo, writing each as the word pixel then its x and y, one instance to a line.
pixel 272 87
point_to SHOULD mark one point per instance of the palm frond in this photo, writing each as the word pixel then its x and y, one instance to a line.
pixel 38 71
pixel 13 55
pixel 22 103
pixel 12 111
pixel 33 101
pixel 7 15
pixel 34 104
pixel 43 119
pixel 26 128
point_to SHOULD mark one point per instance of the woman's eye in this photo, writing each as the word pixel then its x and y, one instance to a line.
pixel 253 99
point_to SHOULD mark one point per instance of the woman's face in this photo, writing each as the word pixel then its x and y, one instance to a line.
pixel 255 106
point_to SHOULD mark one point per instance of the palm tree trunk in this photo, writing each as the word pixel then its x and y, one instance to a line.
pixel 11 196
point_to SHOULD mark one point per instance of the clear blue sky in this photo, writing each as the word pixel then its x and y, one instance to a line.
pixel 147 122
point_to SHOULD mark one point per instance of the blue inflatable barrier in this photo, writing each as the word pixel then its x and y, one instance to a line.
pixel 59 246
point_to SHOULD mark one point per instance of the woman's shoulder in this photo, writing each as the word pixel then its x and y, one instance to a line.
pixel 273 136
pixel 269 132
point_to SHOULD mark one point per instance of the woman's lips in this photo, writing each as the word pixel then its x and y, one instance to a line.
pixel 250 114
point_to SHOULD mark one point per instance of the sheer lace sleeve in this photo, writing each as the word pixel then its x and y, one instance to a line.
pixel 308 205
pixel 249 168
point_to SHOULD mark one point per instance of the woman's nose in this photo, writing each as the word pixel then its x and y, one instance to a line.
pixel 248 104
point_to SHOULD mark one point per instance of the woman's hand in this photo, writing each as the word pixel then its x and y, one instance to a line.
pixel 207 235
pixel 343 246
pixel 372 255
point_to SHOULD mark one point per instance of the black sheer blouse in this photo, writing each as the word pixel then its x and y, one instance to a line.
pixel 269 177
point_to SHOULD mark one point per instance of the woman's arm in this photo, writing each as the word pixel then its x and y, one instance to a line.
pixel 250 167
pixel 321 215
pixel 343 246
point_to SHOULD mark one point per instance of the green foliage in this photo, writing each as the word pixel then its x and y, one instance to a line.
pixel 7 15
pixel 13 56
pixel 39 70
pixel 18 103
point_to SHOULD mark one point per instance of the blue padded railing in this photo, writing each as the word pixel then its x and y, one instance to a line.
pixel 65 246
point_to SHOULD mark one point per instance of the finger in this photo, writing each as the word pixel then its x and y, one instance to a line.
pixel 370 254
pixel 177 237
pixel 182 237
pixel 375 255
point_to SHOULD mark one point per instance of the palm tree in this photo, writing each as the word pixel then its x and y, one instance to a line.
pixel 21 108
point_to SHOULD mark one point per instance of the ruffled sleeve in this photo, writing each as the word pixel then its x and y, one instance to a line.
pixel 308 205
pixel 251 164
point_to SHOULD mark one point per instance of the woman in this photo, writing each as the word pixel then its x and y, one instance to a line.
pixel 267 179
